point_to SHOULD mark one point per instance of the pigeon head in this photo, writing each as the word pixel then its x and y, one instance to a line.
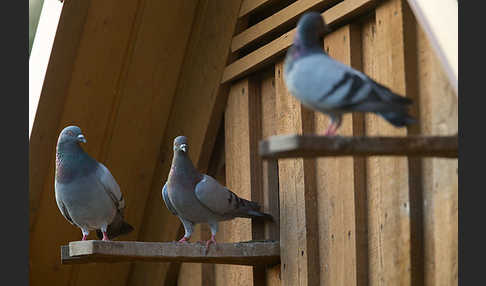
pixel 71 135
pixel 310 29
pixel 180 144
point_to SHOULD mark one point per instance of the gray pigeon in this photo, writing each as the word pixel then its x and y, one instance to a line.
pixel 326 85
pixel 86 193
pixel 199 198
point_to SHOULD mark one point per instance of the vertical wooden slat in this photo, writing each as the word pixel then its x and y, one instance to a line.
pixel 242 124
pixel 359 172
pixel 439 116
pixel 387 177
pixel 270 169
pixel 298 206
pixel 335 189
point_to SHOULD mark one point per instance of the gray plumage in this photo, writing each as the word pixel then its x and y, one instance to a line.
pixel 199 198
pixel 86 193
pixel 326 85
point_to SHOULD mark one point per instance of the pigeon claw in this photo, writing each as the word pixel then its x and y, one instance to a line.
pixel 84 237
pixel 212 240
pixel 331 130
pixel 184 239
pixel 105 236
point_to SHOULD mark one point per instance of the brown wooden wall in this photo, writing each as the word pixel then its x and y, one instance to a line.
pixel 344 221
pixel 134 75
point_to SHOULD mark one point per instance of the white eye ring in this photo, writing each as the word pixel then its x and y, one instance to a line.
pixel 81 138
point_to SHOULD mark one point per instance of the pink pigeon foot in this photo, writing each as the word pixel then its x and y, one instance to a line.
pixel 331 131
pixel 84 237
pixel 212 240
pixel 184 239
pixel 105 236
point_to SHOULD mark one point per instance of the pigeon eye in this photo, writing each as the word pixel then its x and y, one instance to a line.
pixel 70 133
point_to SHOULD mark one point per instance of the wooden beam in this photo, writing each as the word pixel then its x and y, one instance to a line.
pixel 278 21
pixel 292 146
pixel 335 181
pixel 438 115
pixel 389 241
pixel 297 193
pixel 252 6
pixel 241 253
pixel 439 19
pixel 271 51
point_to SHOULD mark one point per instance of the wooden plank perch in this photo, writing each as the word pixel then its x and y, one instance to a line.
pixel 241 253
pixel 292 146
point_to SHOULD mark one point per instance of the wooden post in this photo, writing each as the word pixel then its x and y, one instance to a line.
pixel 270 186
pixel 335 186
pixel 439 115
pixel 298 201
pixel 387 177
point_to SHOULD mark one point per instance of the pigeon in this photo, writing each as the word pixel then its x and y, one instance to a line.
pixel 199 198
pixel 86 193
pixel 328 86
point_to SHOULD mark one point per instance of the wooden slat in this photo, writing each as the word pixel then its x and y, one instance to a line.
pixel 199 98
pixel 270 169
pixel 243 253
pixel 438 115
pixel 271 51
pixel 278 21
pixel 335 187
pixel 298 202
pixel 439 19
pixel 292 146
pixel 241 175
pixel 387 177
pixel 252 6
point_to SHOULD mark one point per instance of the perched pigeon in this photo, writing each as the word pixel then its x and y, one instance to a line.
pixel 197 198
pixel 86 193
pixel 326 85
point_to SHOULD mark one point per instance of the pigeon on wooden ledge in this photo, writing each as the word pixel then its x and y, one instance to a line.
pixel 86 193
pixel 199 198
pixel 326 85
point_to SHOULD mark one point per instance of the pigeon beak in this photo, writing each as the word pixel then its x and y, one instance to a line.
pixel 81 138
pixel 183 147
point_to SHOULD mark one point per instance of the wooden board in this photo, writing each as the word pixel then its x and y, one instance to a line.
pixel 243 253
pixel 242 176
pixel 298 202
pixel 270 169
pixel 439 115
pixel 308 146
pixel 271 51
pixel 388 199
pixel 252 6
pixel 335 188
pixel 277 22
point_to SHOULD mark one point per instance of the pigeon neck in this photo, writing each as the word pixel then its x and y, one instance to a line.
pixel 182 166
pixel 72 161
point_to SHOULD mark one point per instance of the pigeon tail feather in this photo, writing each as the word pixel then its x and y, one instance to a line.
pixel 249 209
pixel 116 228
pixel 398 119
